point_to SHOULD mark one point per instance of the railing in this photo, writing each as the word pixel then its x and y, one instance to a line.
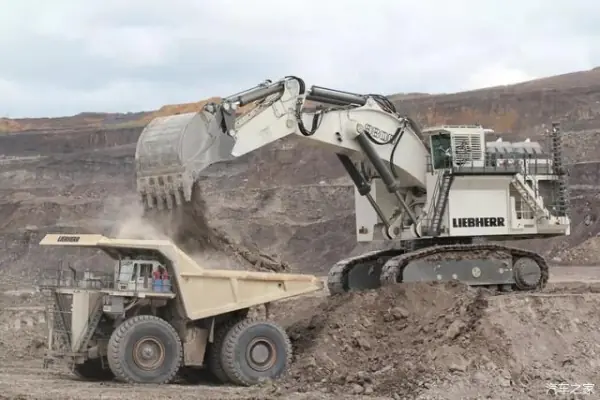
pixel 427 222
pixel 495 165
pixel 147 285
pixel 58 318
pixel 68 278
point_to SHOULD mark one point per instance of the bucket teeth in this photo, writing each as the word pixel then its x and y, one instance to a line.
pixel 162 201
pixel 167 194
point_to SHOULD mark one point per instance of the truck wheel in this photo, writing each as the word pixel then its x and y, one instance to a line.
pixel 255 350
pixel 215 349
pixel 92 370
pixel 145 349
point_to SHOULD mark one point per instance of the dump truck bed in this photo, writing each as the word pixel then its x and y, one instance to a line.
pixel 203 292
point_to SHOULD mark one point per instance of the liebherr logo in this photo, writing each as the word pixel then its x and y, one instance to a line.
pixel 478 222
pixel 376 133
pixel 68 239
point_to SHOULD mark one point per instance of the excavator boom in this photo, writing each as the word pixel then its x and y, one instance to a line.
pixel 172 151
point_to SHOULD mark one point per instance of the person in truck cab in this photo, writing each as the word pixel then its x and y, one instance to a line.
pixel 157 279
pixel 166 283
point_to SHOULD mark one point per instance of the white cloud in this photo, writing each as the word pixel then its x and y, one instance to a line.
pixel 69 56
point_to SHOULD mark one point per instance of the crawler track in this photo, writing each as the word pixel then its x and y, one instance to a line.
pixel 337 278
pixel 389 265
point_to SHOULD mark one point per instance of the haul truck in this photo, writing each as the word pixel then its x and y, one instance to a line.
pixel 130 327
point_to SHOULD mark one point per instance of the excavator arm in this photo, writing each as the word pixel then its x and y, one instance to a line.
pixel 172 151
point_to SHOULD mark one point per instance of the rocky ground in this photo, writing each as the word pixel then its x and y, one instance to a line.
pixel 427 342
pixel 295 205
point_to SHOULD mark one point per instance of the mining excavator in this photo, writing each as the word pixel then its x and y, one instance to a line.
pixel 444 198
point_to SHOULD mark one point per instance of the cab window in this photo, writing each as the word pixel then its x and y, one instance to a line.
pixel 441 151
pixel 126 272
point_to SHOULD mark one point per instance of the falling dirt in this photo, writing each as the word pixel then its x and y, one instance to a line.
pixel 189 228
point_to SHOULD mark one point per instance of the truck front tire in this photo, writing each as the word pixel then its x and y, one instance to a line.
pixel 145 349
pixel 255 350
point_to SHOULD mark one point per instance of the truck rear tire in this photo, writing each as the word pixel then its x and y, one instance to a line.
pixel 254 350
pixel 92 370
pixel 215 349
pixel 145 349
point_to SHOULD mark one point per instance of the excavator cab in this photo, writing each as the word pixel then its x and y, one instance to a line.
pixel 457 146
pixel 441 150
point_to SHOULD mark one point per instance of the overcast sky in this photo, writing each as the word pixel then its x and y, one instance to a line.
pixel 61 57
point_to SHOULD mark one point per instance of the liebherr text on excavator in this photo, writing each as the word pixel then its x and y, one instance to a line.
pixel 443 195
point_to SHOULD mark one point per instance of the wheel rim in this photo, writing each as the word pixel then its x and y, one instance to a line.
pixel 148 353
pixel 261 354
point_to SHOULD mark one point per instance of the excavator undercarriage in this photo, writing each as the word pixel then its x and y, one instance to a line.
pixel 488 265
pixel 443 196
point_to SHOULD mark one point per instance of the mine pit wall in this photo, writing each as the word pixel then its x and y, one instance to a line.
pixel 24 143
pixel 97 167
pixel 24 263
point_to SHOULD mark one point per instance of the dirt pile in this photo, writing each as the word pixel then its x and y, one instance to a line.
pixel 189 228
pixel 585 253
pixel 398 341
pixel 413 342
pixel 445 342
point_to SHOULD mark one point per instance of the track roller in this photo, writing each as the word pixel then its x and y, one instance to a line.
pixel 145 349
pixel 527 272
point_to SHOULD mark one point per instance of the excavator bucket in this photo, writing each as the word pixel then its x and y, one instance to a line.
pixel 172 151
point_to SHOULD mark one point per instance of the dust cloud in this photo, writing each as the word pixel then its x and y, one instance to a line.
pixel 132 225
pixel 188 227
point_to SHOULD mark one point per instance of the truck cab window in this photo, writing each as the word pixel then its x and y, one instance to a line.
pixel 126 272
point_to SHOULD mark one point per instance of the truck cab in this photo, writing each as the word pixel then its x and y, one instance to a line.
pixel 141 275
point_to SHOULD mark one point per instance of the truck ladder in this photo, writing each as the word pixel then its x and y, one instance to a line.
pixel 444 183
pixel 58 319
pixel 91 326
